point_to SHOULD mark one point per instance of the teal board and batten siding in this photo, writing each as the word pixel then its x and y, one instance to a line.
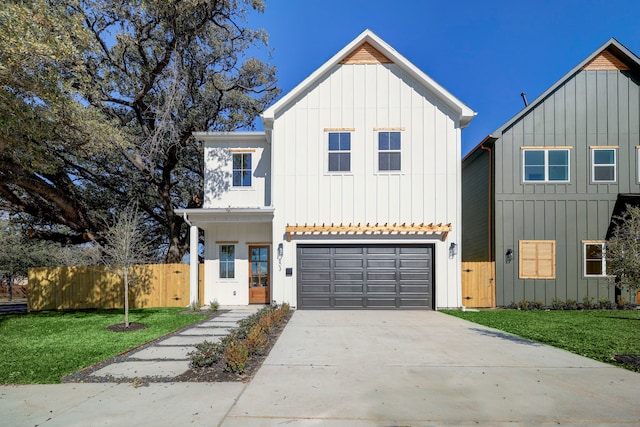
pixel 475 207
pixel 592 108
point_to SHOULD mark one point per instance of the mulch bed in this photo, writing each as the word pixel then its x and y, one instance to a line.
pixel 216 373
pixel 122 327
pixel 630 360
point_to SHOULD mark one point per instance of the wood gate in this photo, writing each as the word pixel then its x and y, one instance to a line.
pixel 479 284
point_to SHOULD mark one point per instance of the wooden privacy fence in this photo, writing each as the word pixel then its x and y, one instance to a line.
pixel 479 284
pixel 66 288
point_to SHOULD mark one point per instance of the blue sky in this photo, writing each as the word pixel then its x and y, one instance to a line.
pixel 484 52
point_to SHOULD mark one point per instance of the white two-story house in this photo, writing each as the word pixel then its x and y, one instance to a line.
pixel 350 197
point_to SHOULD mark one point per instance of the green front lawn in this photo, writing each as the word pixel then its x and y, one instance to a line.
pixel 596 334
pixel 43 347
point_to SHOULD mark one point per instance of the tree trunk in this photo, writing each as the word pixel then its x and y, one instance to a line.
pixel 11 287
pixel 126 296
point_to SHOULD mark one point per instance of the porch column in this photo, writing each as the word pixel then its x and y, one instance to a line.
pixel 193 264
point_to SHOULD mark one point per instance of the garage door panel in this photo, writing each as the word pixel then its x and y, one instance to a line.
pixel 365 276
pixel 348 288
pixel 380 288
pixel 348 263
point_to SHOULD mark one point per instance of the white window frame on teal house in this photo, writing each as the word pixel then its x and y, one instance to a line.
pixel 599 162
pixel 389 147
pixel 227 267
pixel 588 258
pixel 544 166
pixel 339 150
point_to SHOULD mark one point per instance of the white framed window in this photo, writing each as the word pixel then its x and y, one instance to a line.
pixel 545 165
pixel 389 151
pixel 594 259
pixel 339 151
pixel 603 165
pixel 242 169
pixel 227 261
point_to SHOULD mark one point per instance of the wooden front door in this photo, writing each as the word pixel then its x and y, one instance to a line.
pixel 259 273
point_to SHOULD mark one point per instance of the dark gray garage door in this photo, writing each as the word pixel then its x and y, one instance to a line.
pixel 365 276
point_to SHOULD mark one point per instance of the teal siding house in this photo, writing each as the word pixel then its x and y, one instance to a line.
pixel 539 193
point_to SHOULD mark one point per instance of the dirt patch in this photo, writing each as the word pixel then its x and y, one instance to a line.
pixel 121 327
pixel 630 360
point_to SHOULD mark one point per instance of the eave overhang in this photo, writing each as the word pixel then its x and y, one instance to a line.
pixel 225 215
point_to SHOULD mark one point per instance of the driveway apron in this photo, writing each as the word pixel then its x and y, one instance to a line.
pixel 410 368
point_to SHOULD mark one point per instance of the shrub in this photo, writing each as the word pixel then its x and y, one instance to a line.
pixel 266 322
pixel 557 304
pixel 214 306
pixel 605 304
pixel 523 304
pixel 571 304
pixel 236 356
pixel 623 303
pixel 536 305
pixel 206 354
pixel 587 303
pixel 195 307
pixel 257 340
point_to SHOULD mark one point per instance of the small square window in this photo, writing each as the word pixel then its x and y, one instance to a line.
pixel 339 151
pixel 242 170
pixel 603 165
pixel 227 261
pixel 389 151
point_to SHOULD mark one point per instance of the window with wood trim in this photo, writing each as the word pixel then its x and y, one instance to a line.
pixel 603 165
pixel 537 259
pixel 242 169
pixel 545 165
pixel 227 261
pixel 389 154
pixel 595 263
pixel 339 151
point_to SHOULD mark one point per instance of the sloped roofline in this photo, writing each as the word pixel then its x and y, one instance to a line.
pixel 618 49
pixel 465 114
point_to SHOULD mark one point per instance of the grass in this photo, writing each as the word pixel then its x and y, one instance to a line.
pixel 596 334
pixel 40 348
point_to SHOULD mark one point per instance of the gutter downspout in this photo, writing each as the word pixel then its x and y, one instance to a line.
pixel 193 261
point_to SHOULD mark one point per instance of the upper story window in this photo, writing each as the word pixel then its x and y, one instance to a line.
pixel 603 164
pixel 227 261
pixel 595 263
pixel 389 153
pixel 339 151
pixel 545 165
pixel 242 169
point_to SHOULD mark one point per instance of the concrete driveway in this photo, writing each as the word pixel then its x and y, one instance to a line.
pixel 364 368
pixel 415 368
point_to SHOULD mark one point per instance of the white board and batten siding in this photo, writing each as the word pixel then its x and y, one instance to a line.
pixel 367 98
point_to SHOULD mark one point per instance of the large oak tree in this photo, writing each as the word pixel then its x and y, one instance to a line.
pixel 105 112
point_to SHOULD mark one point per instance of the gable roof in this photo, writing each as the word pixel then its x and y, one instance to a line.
pixel 611 55
pixel 369 48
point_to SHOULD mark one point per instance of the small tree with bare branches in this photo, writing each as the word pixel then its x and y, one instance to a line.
pixel 622 250
pixel 125 246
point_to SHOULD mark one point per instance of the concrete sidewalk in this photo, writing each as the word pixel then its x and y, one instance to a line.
pixel 364 368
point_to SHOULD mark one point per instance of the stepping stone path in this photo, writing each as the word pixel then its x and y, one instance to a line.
pixel 169 357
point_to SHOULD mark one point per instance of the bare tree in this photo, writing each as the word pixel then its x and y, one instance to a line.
pixel 125 245
pixel 622 250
